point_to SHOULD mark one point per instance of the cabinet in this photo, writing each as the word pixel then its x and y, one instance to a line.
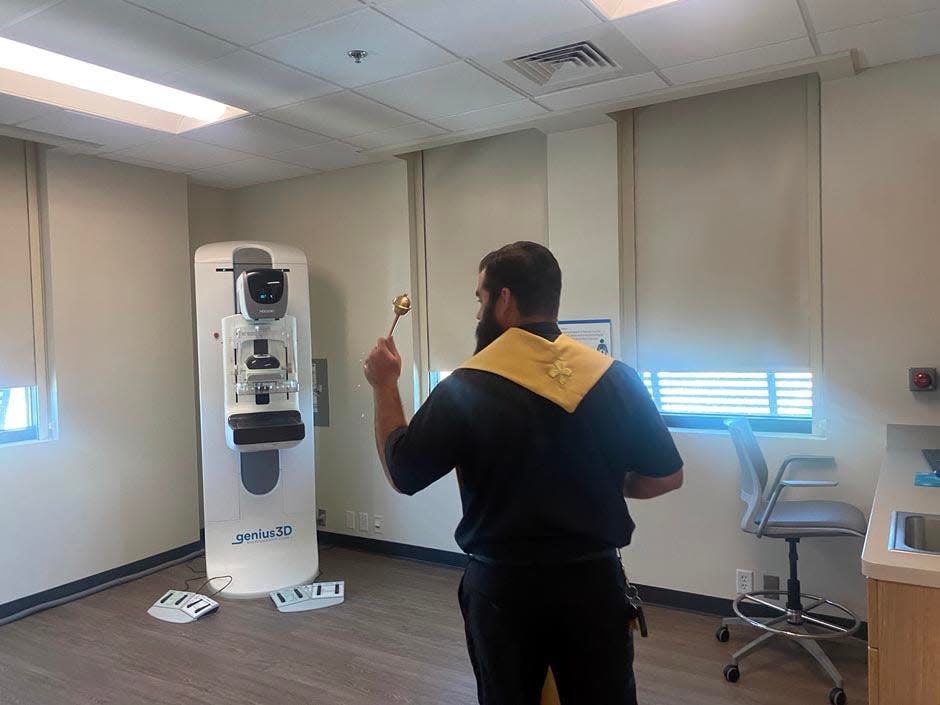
pixel 904 644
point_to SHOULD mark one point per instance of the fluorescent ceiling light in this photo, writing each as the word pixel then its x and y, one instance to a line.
pixel 29 72
pixel 615 9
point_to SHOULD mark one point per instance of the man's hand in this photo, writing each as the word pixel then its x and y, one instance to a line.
pixel 383 366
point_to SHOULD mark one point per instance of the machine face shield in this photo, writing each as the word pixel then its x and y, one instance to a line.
pixel 262 294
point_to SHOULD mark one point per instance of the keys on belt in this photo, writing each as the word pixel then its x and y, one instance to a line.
pixel 634 603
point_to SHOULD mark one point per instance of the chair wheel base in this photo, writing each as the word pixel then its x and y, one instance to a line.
pixel 723 634
pixel 837 696
pixel 733 673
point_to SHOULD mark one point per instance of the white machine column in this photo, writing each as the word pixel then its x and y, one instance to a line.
pixel 256 416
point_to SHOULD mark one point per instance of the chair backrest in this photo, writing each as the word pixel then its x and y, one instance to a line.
pixel 753 471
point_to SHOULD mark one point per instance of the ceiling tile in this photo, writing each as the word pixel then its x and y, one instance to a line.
pixel 772 55
pixel 448 90
pixel 119 36
pixel 110 135
pixel 182 153
pixel 483 26
pixel 498 114
pixel 341 115
pixel 405 134
pixel 393 50
pixel 828 15
pixel 329 155
pixel 118 157
pixel 254 170
pixel 12 10
pixel 14 109
pixel 248 81
pixel 694 30
pixel 248 22
pixel 891 40
pixel 603 92
pixel 256 135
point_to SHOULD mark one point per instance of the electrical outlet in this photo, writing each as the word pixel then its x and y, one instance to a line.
pixel 364 521
pixel 377 523
pixel 350 520
pixel 745 581
pixel 321 518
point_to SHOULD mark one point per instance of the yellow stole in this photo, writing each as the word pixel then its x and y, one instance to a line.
pixel 563 371
pixel 550 690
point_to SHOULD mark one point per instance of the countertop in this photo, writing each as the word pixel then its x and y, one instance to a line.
pixel 896 492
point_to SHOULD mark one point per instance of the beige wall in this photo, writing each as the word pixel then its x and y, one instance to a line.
pixel 119 482
pixel 880 137
pixel 353 226
pixel 210 215
pixel 880 156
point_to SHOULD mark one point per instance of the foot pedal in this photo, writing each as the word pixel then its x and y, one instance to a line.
pixel 309 597
pixel 180 607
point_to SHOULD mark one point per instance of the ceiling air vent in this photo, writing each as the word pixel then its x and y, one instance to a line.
pixel 578 62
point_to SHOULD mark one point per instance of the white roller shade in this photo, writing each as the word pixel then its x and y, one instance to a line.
pixel 723 194
pixel 17 353
pixel 479 196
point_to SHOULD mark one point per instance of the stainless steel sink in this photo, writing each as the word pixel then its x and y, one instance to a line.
pixel 915 533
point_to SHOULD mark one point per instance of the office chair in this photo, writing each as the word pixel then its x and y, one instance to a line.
pixel 768 517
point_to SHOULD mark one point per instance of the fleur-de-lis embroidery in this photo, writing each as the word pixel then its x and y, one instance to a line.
pixel 560 372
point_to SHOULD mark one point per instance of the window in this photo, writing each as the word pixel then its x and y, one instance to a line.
pixel 436 378
pixel 722 282
pixel 24 387
pixel 779 402
pixel 772 401
pixel 18 414
pixel 500 172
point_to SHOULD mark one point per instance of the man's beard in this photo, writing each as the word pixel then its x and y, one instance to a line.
pixel 488 329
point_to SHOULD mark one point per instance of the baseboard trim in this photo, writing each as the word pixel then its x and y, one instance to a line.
pixel 423 554
pixel 61 593
pixel 661 597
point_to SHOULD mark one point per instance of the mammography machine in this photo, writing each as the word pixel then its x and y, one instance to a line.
pixel 256 415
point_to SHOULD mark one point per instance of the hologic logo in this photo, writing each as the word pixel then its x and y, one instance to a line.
pixel 278 532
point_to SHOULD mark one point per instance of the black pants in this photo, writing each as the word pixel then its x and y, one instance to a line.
pixel 574 618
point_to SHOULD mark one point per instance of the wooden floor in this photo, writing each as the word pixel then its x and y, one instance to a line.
pixel 397 639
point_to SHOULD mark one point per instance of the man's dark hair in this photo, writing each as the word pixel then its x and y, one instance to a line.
pixel 530 271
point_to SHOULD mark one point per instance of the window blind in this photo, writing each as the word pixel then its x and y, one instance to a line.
pixel 17 352
pixel 478 196
pixel 723 193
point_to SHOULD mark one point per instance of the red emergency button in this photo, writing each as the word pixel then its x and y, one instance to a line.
pixel 922 379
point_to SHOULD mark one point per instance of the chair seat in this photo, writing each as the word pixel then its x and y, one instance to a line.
pixel 815 518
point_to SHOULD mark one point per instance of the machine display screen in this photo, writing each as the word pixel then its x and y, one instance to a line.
pixel 265 286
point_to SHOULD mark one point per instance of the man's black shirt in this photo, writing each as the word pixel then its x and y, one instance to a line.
pixel 537 483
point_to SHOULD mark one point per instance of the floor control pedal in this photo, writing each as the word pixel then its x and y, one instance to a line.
pixel 180 607
pixel 315 596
